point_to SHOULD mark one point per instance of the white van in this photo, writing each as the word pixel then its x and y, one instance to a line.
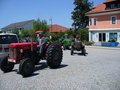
pixel 5 39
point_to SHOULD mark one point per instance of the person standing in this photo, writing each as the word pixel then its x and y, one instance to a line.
pixel 41 42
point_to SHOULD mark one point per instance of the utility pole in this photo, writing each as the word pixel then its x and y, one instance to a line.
pixel 51 24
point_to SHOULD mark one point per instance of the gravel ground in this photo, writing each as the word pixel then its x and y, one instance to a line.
pixel 99 70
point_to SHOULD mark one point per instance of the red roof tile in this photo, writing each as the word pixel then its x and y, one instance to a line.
pixel 58 28
pixel 102 8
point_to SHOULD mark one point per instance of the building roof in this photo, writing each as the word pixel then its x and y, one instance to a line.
pixel 58 28
pixel 109 1
pixel 102 8
pixel 16 25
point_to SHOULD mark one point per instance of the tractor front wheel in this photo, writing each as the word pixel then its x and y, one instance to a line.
pixel 5 65
pixel 54 56
pixel 26 67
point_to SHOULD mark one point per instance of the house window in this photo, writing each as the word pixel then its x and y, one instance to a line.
pixel 107 6
pixel 113 19
pixel 118 5
pixel 90 22
pixel 113 36
pixel 112 6
pixel 102 36
pixel 95 21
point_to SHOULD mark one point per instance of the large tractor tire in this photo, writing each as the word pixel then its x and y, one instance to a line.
pixel 84 51
pixel 72 52
pixel 26 67
pixel 6 66
pixel 54 55
pixel 35 57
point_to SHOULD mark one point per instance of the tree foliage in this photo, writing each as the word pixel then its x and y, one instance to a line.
pixel 40 25
pixel 80 20
pixel 70 33
pixel 37 25
pixel 83 34
pixel 24 33
pixel 15 31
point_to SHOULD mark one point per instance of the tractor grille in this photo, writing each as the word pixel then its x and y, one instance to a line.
pixel 13 52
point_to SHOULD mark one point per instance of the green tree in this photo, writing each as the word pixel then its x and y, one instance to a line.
pixel 70 33
pixel 83 34
pixel 80 20
pixel 27 33
pixel 24 33
pixel 40 25
pixel 32 34
pixel 15 31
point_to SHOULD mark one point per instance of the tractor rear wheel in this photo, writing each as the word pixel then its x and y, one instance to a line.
pixel 84 51
pixel 5 65
pixel 54 55
pixel 26 67
pixel 72 52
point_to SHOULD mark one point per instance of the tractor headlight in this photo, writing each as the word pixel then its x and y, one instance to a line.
pixel 21 50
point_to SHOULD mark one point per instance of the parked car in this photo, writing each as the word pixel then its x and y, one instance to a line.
pixel 5 39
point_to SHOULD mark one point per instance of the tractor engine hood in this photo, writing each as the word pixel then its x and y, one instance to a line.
pixel 22 45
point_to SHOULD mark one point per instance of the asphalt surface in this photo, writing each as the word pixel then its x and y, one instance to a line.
pixel 99 70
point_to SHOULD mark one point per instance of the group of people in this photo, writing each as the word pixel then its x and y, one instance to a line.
pixel 41 41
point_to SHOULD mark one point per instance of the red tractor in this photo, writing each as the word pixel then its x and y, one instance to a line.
pixel 27 54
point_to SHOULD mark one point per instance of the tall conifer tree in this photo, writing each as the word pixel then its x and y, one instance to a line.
pixel 80 20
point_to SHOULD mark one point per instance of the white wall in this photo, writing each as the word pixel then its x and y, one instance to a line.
pixel 94 36
pixel 90 36
pixel 118 37
pixel 107 36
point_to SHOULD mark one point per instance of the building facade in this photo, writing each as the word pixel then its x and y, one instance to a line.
pixel 104 21
pixel 18 26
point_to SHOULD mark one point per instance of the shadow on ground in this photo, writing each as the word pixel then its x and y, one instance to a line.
pixel 40 66
pixel 80 54
pixel 43 65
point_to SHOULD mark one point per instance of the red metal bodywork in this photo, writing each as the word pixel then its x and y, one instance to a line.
pixel 20 47
pixel 23 46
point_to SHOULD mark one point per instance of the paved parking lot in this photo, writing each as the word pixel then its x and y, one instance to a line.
pixel 99 70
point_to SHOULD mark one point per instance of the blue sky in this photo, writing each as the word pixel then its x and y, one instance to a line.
pixel 12 11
